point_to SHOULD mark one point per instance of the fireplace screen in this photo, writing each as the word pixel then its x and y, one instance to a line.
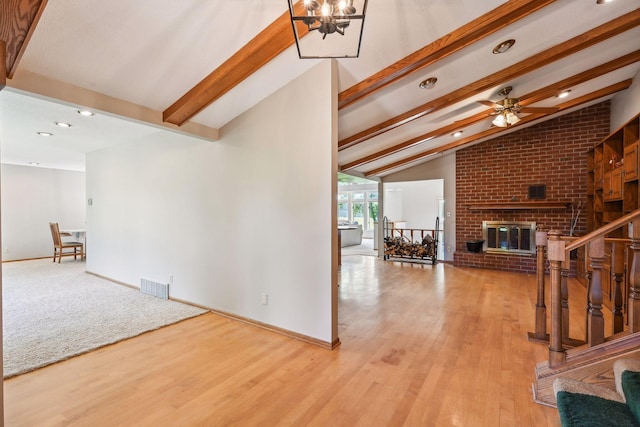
pixel 509 237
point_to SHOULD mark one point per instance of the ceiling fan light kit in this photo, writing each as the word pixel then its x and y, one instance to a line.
pixel 506 117
pixel 506 110
pixel 341 20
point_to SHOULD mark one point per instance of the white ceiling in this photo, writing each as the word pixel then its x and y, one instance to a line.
pixel 150 53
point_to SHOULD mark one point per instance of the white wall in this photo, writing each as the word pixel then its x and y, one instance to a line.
pixel 31 198
pixel 441 168
pixel 252 213
pixel 626 104
pixel 415 202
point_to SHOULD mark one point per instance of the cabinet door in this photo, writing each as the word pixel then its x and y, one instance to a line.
pixel 606 186
pixel 612 185
pixel 631 162
pixel 616 184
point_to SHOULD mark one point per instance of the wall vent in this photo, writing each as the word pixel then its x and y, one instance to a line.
pixel 538 192
pixel 160 290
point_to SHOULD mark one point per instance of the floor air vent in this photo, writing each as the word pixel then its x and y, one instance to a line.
pixel 160 290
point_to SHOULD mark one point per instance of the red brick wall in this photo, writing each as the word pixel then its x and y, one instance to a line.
pixel 502 169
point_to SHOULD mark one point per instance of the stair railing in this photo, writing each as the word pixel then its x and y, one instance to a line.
pixel 558 251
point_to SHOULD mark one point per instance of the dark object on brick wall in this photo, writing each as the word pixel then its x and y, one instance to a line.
pixel 537 192
pixel 475 245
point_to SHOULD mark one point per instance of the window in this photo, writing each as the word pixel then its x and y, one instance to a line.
pixel 358 207
pixel 358 202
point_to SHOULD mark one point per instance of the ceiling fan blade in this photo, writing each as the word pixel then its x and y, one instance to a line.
pixel 538 110
pixel 489 104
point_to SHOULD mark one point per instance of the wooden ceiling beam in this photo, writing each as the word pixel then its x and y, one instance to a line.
pixel 269 43
pixel 533 97
pixel 18 20
pixel 609 90
pixel 546 57
pixel 416 141
pixel 447 45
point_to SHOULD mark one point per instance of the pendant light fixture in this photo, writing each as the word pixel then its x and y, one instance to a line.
pixel 328 28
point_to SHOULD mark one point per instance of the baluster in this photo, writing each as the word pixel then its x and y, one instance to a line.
pixel 589 280
pixel 556 255
pixel 3 63
pixel 595 321
pixel 564 295
pixel 634 278
pixel 541 309
pixel 618 254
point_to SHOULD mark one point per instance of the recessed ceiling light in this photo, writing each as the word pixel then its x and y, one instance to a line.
pixel 63 124
pixel 457 134
pixel 45 134
pixel 85 113
pixel 504 46
pixel 564 93
pixel 603 1
pixel 34 164
pixel 428 83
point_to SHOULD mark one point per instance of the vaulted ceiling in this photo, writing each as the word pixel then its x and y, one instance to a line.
pixel 192 66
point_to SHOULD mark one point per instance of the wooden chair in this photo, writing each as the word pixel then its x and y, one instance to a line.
pixel 59 245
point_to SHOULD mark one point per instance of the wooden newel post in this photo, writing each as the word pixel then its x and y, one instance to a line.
pixel 634 278
pixel 541 309
pixel 618 256
pixel 556 255
pixel 595 321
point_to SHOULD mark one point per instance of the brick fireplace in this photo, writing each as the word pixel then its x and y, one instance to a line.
pixel 493 181
pixel 509 237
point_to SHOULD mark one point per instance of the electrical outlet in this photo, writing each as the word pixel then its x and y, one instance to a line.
pixel 264 298
pixel 448 248
pixel 6 250
pixel 171 279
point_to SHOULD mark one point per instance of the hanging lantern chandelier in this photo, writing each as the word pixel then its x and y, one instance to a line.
pixel 328 17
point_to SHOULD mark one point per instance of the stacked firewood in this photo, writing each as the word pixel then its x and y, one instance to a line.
pixel 401 247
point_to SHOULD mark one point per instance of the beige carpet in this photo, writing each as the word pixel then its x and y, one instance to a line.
pixel 55 311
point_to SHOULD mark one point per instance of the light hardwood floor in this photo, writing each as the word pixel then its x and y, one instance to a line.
pixel 421 345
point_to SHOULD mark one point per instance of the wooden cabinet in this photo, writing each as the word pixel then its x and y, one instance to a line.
pixel 613 174
pixel 631 162
pixel 612 185
pixel 598 168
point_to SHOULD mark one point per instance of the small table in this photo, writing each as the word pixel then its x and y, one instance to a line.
pixel 78 234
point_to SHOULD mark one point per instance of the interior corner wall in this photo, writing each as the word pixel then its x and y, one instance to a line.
pixel 626 104
pixel 31 198
pixel 440 168
pixel 225 222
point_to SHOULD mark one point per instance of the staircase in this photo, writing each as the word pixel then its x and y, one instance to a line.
pixel 590 359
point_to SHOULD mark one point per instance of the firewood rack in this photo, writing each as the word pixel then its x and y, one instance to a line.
pixel 414 244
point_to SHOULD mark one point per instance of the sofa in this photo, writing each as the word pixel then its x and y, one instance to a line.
pixel 584 404
pixel 350 234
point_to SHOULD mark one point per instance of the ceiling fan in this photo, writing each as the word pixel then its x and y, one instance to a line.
pixel 506 110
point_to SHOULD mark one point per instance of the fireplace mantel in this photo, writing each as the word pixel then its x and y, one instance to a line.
pixel 518 206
